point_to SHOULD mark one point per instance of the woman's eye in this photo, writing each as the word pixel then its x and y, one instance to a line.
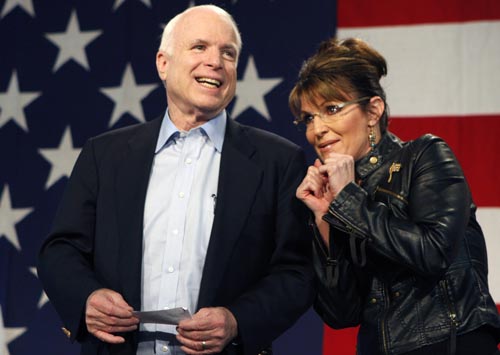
pixel 307 118
pixel 332 109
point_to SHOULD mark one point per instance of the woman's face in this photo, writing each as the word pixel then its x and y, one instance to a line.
pixel 343 131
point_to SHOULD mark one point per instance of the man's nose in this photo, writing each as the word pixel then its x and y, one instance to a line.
pixel 214 58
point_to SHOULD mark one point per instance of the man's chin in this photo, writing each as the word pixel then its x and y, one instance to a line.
pixel 210 109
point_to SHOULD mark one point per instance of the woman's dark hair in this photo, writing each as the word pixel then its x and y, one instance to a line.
pixel 341 71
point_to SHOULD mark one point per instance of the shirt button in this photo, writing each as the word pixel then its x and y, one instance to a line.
pixel 170 269
pixel 175 232
pixel 164 348
pixel 181 194
pixel 188 161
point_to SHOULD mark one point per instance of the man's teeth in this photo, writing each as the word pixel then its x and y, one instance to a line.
pixel 209 82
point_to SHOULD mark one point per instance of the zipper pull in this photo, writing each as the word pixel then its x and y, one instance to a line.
pixel 332 272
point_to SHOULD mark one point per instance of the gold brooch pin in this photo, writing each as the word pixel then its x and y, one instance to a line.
pixel 395 167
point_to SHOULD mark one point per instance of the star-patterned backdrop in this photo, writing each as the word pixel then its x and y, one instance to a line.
pixel 73 69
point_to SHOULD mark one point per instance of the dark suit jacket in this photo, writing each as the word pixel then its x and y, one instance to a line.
pixel 257 263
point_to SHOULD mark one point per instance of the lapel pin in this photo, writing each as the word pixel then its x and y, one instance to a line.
pixel 394 168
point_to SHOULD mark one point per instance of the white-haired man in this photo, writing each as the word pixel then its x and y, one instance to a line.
pixel 191 210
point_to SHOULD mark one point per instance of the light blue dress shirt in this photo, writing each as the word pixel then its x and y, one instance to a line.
pixel 178 217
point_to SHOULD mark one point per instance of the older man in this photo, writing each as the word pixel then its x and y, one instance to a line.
pixel 192 210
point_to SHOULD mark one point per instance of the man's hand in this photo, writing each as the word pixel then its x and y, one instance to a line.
pixel 208 332
pixel 107 313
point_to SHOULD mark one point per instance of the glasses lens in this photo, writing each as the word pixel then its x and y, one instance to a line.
pixel 301 127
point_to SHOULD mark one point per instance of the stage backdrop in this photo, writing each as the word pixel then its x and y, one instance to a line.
pixel 72 69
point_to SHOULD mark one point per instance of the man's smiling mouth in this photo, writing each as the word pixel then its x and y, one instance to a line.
pixel 209 82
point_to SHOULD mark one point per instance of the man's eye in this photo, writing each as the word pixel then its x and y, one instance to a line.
pixel 332 109
pixel 229 54
pixel 199 47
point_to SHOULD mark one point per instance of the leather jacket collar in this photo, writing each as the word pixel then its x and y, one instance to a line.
pixel 383 150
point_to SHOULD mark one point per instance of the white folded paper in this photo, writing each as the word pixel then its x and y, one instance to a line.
pixel 165 316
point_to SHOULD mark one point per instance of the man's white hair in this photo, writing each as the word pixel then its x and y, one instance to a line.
pixel 167 39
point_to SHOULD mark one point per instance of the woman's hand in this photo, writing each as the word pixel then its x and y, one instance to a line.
pixel 339 169
pixel 314 190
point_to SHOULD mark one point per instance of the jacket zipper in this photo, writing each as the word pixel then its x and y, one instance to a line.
pixel 383 321
pixel 317 236
pixel 452 315
pixel 330 263
pixel 392 193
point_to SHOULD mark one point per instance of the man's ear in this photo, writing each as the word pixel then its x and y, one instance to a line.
pixel 375 110
pixel 161 65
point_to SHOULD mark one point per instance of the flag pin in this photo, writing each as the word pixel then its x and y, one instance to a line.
pixel 394 168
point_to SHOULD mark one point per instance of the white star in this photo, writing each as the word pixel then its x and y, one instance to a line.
pixel 128 96
pixel 13 102
pixel 72 43
pixel 119 3
pixel 9 217
pixel 27 5
pixel 251 90
pixel 43 297
pixel 62 158
pixel 7 335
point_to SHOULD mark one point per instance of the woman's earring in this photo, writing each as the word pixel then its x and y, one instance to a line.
pixel 371 139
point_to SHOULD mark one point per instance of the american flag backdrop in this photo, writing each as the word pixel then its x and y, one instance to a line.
pixel 444 78
pixel 71 69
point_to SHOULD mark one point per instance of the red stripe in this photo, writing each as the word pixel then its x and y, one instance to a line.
pixel 474 140
pixel 339 342
pixel 369 13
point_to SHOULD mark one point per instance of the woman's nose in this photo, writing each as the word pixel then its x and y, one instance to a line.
pixel 319 126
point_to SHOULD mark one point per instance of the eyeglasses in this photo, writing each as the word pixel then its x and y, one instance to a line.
pixel 329 114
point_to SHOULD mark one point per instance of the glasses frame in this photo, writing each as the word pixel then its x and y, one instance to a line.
pixel 338 107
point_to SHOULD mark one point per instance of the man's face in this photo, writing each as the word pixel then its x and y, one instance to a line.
pixel 200 73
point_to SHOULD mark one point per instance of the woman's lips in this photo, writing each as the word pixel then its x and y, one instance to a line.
pixel 327 146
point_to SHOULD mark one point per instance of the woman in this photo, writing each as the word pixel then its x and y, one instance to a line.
pixel 398 249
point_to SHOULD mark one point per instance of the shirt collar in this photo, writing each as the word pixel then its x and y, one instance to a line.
pixel 214 129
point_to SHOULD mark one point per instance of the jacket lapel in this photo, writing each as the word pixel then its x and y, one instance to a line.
pixel 239 178
pixel 131 184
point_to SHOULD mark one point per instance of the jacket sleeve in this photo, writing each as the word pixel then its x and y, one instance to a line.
pixel 426 238
pixel 287 290
pixel 65 258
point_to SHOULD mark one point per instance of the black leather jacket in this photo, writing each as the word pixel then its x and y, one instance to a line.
pixel 407 259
